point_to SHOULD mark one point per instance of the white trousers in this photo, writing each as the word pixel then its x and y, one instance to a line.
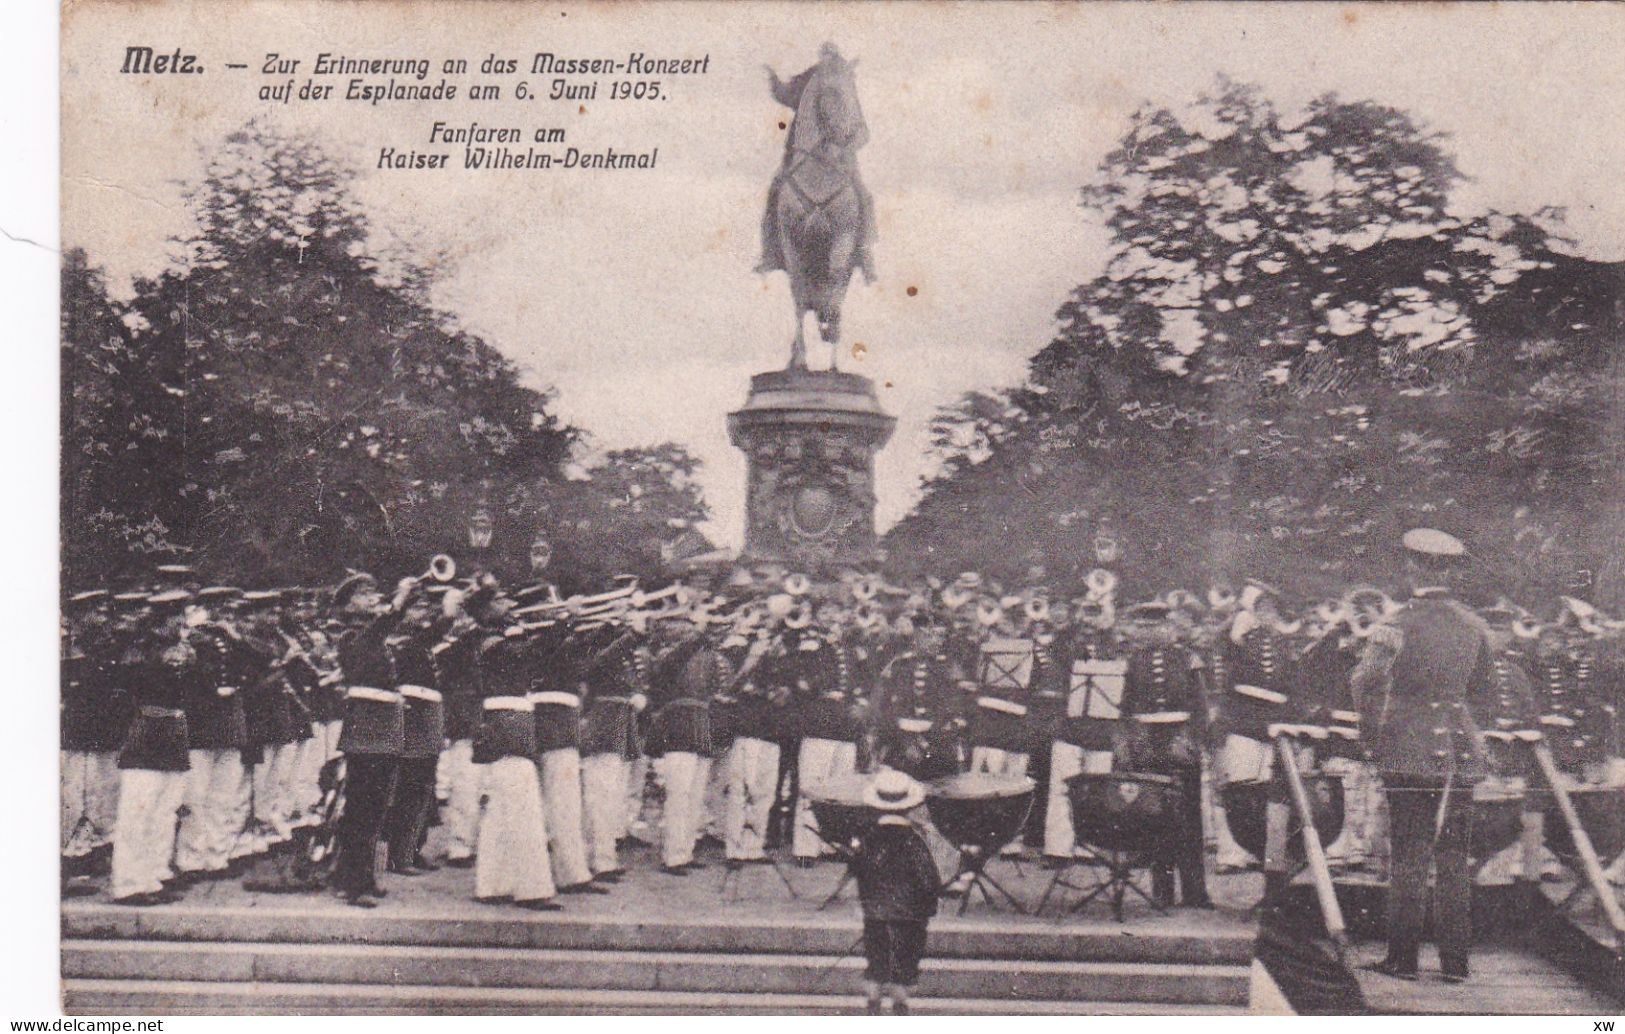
pixel 273 795
pixel 636 780
pixel 1065 761
pixel 818 761
pixel 714 805
pixel 512 860
pixel 461 816
pixel 144 831
pixel 90 782
pixel 214 798
pixel 603 808
pixel 683 775
pixel 561 803
pixel 753 776
pixel 305 789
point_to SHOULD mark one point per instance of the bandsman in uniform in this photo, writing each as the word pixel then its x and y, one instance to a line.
pixel 512 863
pixel 1164 714
pixel 615 678
pixel 919 688
pixel 1262 700
pixel 555 694
pixel 1423 676
pixel 759 719
pixel 372 738
pixel 1090 668
pixel 684 677
pixel 814 669
pixel 457 667
pixel 165 671
pixel 95 712
pixel 423 730
pixel 1510 724
pixel 218 790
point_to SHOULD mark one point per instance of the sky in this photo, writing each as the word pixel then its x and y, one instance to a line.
pixel 632 293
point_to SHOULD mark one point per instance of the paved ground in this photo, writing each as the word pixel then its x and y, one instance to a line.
pixel 754 891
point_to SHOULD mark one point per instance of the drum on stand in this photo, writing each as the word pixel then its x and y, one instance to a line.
pixel 1244 813
pixel 843 820
pixel 979 813
pixel 1126 820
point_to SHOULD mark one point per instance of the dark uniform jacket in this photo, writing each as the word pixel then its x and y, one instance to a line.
pixel 1511 715
pixel 1323 675
pixel 555 690
pixel 1441 674
pixel 1163 709
pixel 815 670
pixel 457 674
pixel 374 713
pixel 96 704
pixel 1577 727
pixel 919 735
pixel 215 719
pixel 507 716
pixel 162 676
pixel 267 710
pixel 1261 687
pixel 685 679
pixel 897 878
pixel 616 678
pixel 423 723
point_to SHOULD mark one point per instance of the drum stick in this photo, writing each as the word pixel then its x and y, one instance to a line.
pixel 1319 871
pixel 1582 843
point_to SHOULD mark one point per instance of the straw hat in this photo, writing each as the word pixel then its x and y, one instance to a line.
pixel 892 790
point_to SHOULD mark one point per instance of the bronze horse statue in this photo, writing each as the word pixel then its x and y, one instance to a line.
pixel 819 223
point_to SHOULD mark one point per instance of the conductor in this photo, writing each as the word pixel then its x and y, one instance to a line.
pixel 1425 673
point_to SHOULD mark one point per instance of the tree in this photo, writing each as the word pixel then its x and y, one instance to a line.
pixel 1296 351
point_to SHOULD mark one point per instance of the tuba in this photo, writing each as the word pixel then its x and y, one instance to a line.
pixel 1036 608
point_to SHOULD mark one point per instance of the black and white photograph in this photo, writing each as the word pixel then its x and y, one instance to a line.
pixel 838 509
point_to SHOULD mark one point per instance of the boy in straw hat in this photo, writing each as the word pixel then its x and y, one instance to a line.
pixel 897 884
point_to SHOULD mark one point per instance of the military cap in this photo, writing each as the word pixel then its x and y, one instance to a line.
pixel 1153 610
pixel 170 598
pixel 352 585
pixel 88 598
pixel 260 598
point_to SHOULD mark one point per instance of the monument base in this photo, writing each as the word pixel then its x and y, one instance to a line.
pixel 810 438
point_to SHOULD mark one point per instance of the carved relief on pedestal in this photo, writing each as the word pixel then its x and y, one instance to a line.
pixel 811 492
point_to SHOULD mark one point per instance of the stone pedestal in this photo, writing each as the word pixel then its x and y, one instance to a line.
pixel 810 437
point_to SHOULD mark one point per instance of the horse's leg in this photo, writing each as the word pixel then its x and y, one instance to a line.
pixel 794 266
pixel 840 275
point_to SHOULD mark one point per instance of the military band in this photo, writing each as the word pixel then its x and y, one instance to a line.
pixel 206 727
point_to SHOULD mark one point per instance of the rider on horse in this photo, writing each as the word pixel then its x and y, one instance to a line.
pixel 811 135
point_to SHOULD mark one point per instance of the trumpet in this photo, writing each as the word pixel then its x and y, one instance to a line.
pixel 641 599
pixel 442 568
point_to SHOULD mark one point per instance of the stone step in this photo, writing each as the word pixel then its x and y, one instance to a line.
pixel 96 997
pixel 1195 940
pixel 421 965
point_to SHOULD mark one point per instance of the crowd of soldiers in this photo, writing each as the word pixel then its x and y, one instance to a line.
pixel 204 726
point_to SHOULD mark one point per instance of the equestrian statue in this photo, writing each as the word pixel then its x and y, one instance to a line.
pixel 819 224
